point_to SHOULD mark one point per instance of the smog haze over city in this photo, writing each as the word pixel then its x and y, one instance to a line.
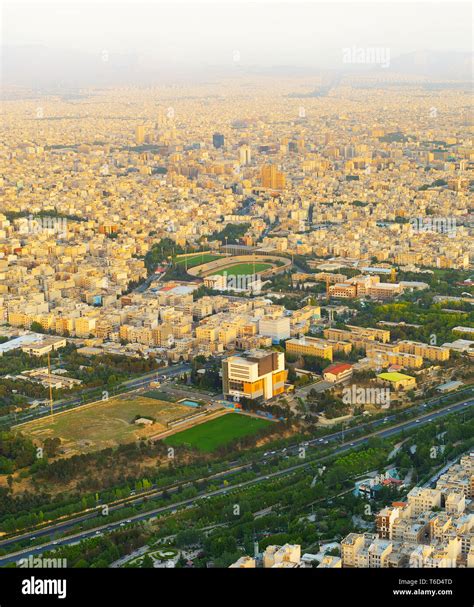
pixel 148 42
pixel 236 302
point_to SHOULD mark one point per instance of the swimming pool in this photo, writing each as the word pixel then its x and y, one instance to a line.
pixel 190 403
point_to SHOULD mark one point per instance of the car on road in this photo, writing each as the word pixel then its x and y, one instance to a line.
pixel 417 421
pixel 321 440
pixel 352 444
pixel 430 419
pixel 129 520
pixel 54 543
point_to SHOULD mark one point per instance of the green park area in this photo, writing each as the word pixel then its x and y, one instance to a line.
pixel 208 436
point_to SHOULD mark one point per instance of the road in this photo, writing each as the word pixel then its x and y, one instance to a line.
pixel 149 281
pixel 421 420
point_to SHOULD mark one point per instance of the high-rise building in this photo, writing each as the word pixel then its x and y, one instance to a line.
pixel 140 134
pixel 254 374
pixel 245 155
pixel 161 118
pixel 272 178
pixel 218 140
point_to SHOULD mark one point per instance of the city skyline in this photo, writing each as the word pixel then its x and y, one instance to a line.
pixel 236 302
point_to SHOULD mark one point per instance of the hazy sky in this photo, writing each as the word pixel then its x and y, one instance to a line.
pixel 264 33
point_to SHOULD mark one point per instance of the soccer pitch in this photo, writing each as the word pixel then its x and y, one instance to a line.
pixel 210 435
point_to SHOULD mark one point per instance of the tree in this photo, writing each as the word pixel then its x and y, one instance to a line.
pixel 147 562
pixel 188 537
pixel 36 327
pixel 51 446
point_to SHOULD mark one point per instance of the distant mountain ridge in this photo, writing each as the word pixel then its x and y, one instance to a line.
pixel 38 66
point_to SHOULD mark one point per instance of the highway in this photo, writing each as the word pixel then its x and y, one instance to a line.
pixel 424 418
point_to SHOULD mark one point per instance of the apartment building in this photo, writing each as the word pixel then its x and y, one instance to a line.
pixel 274 557
pixel 280 557
pixel 382 335
pixel 309 346
pixel 459 478
pixel 423 499
pixel 434 528
pixel 85 326
pixel 342 335
pixel 354 549
pixel 343 290
pixel 44 345
pixel 384 521
pixel 385 358
pixel 244 562
pixel 434 353
pixel 276 328
pixel 272 178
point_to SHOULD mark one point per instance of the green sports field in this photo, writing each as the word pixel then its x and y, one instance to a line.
pixel 243 269
pixel 196 260
pixel 210 435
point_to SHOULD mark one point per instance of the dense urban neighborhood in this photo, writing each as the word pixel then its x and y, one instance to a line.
pixel 237 322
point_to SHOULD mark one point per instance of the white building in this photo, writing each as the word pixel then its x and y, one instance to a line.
pixel 276 328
